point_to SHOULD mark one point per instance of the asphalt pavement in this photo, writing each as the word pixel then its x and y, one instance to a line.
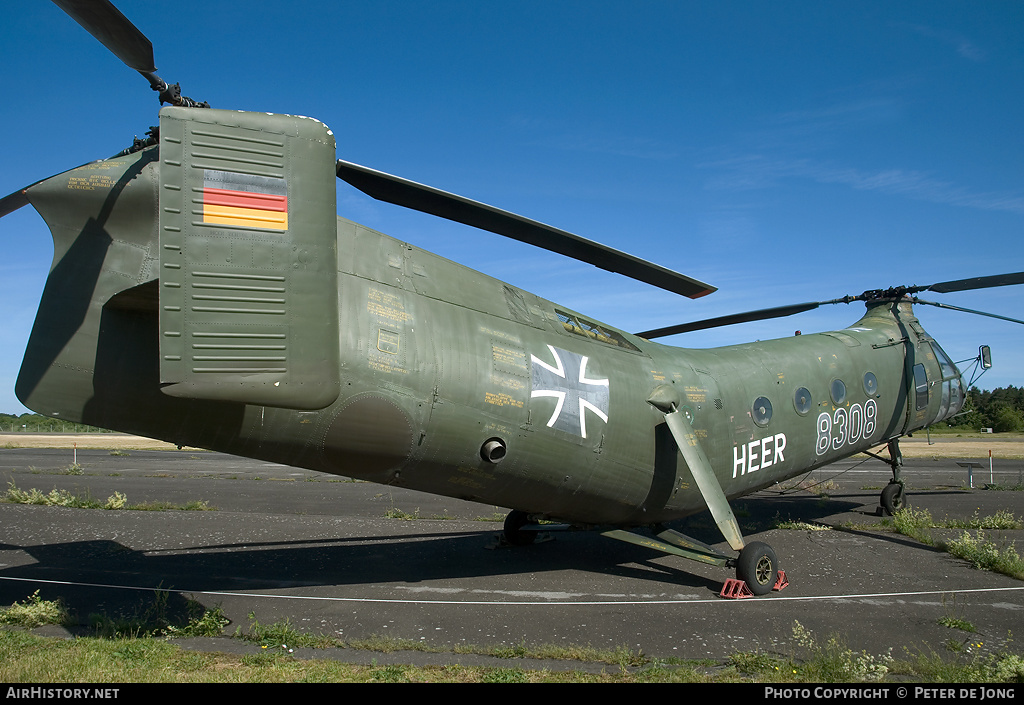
pixel 355 560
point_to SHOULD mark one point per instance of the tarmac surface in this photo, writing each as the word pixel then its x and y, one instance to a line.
pixel 355 560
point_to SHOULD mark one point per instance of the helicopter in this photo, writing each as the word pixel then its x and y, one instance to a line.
pixel 204 291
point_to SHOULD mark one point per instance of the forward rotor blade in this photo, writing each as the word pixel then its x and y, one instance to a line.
pixel 894 293
pixel 967 310
pixel 106 23
pixel 402 192
pixel 759 315
pixel 977 283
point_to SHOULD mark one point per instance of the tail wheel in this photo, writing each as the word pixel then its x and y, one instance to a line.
pixel 758 567
pixel 894 498
pixel 514 534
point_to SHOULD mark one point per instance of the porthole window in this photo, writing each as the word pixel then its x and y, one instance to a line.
pixel 802 401
pixel 838 391
pixel 870 384
pixel 762 411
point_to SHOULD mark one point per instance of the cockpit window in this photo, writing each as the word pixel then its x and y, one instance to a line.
pixel 952 393
pixel 945 364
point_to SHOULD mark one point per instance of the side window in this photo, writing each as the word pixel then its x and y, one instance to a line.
pixel 584 328
pixel 921 386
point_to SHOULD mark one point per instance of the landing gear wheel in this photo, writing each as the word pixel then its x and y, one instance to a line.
pixel 894 498
pixel 514 523
pixel 758 567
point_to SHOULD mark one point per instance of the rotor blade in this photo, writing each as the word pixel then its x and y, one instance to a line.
pixel 977 283
pixel 967 310
pixel 733 319
pixel 106 23
pixel 402 192
pixel 13 201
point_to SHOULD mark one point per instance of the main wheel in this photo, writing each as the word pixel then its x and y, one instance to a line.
pixel 514 534
pixel 758 567
pixel 893 498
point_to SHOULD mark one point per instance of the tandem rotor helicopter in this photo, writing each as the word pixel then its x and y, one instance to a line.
pixel 204 291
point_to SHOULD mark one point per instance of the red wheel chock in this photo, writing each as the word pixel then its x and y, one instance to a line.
pixel 735 589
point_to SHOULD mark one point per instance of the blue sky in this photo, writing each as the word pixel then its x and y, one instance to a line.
pixel 783 152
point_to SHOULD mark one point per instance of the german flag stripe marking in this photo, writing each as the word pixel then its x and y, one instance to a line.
pixel 244 200
pixel 245 217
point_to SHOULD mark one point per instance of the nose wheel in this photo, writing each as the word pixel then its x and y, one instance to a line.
pixel 894 498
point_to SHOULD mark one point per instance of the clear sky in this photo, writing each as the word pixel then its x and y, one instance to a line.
pixel 783 152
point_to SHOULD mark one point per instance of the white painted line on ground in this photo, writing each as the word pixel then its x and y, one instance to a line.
pixel 500 603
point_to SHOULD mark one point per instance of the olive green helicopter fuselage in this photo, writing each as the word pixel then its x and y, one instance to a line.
pixel 317 342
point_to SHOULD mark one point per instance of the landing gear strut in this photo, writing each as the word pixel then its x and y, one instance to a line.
pixel 894 496
pixel 757 567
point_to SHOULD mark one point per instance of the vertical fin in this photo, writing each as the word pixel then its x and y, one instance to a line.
pixel 248 258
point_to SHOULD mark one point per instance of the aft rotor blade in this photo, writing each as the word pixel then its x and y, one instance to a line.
pixel 977 283
pixel 968 310
pixel 105 22
pixel 13 201
pixel 426 199
pixel 759 315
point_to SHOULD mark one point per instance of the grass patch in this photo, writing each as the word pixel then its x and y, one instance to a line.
pixel 986 555
pixel 57 498
pixel 202 622
pixel 974 547
pixel 957 623
pixel 34 611
pixel 835 662
pixel 951 618
pixel 396 513
pixel 282 635
pixel 153 619
pixel 832 661
pixel 63 498
pixel 917 524
pixel 1002 519
pixel 134 656
pixel 780 523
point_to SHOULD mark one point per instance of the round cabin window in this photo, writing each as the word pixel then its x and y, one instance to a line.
pixel 870 384
pixel 762 411
pixel 802 401
pixel 838 391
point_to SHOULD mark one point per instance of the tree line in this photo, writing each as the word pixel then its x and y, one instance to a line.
pixel 1002 410
pixel 37 423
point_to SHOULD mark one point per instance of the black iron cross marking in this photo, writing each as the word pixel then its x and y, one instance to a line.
pixel 566 381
